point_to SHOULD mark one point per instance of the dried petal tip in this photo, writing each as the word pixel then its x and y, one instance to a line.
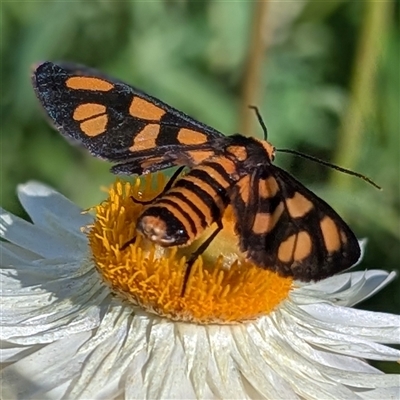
pixel 223 287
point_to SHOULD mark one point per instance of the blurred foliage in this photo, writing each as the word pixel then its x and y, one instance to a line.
pixel 193 55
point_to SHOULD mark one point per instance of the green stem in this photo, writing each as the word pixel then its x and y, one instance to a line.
pixel 361 101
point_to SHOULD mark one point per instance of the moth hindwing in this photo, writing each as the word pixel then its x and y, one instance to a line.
pixel 280 224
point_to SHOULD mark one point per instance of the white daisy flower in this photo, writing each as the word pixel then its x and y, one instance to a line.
pixel 83 319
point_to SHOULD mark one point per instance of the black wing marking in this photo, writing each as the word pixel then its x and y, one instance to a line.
pixel 116 141
pixel 285 227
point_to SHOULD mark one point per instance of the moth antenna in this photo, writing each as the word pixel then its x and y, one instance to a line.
pixel 333 166
pixel 261 121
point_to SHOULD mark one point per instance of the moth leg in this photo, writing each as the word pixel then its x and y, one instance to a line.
pixel 168 186
pixel 202 248
pixel 128 243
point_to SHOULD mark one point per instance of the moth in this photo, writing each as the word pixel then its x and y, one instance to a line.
pixel 281 225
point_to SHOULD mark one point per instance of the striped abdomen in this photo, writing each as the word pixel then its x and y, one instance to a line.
pixel 195 201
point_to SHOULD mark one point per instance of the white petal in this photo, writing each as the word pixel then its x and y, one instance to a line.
pixel 254 367
pixel 37 311
pixel 40 372
pixel 344 289
pixel 382 393
pixel 305 376
pixel 380 327
pixel 48 208
pixel 37 239
pixel 57 222
pixel 12 254
pixel 372 281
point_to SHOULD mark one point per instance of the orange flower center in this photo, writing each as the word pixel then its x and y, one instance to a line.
pixel 223 287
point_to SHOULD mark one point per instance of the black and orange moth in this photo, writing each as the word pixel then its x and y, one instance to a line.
pixel 281 225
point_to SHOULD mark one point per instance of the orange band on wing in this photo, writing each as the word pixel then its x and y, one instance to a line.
pixel 189 137
pixel 244 189
pixel 88 110
pixel 88 83
pixel 268 188
pixel 265 222
pixel 146 138
pixel 94 126
pixel 198 156
pixel 331 234
pixel 144 109
pixel 296 247
pixel 298 205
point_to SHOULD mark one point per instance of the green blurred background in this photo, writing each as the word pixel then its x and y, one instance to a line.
pixel 325 76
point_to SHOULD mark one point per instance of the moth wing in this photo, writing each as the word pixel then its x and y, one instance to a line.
pixel 285 227
pixel 119 123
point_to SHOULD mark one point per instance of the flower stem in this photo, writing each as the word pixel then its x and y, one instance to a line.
pixel 361 101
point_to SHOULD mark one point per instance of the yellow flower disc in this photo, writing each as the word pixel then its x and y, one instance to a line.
pixel 223 287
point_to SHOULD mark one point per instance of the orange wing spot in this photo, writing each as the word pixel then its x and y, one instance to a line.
pixel 265 222
pixel 146 138
pixel 244 189
pixel 239 152
pixel 298 205
pixel 331 234
pixel 198 156
pixel 295 248
pixel 268 188
pixel 276 216
pixel 190 137
pixel 88 83
pixel 261 223
pixel 144 109
pixel 94 126
pixel 88 110
pixel 303 247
